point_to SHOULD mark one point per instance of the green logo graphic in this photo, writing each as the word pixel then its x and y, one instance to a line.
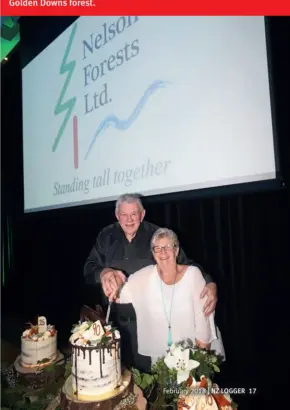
pixel 68 106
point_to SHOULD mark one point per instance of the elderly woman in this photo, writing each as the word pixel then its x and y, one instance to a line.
pixel 166 299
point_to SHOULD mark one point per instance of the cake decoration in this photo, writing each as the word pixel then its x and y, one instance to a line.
pixel 96 357
pixel 42 324
pixel 96 380
pixel 39 332
pixel 92 334
pixel 38 344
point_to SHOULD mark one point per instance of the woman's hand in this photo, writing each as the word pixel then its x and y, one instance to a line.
pixel 202 345
pixel 210 290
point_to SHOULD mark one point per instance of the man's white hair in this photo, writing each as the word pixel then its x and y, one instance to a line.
pixel 129 199
pixel 164 233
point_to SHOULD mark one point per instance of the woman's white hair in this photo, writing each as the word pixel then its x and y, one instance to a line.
pixel 129 199
pixel 165 233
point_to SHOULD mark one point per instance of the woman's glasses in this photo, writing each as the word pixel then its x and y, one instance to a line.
pixel 168 247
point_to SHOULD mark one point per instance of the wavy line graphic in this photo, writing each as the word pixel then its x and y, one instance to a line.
pixel 113 121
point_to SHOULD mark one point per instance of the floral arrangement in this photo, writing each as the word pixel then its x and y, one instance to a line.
pixel 183 379
pixel 90 333
pixel 35 333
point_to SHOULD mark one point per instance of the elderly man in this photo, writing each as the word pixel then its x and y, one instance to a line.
pixel 120 250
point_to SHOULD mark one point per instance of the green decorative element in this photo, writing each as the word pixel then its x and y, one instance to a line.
pixel 68 106
pixel 161 387
pixel 43 361
pixel 10 35
pixel 21 397
pixel 34 394
pixel 208 363
pixel 9 22
pixel 104 341
pixel 144 380
pixel 50 369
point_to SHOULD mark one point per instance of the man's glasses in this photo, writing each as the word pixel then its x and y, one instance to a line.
pixel 168 247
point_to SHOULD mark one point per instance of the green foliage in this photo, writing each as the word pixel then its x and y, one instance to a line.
pixel 161 374
pixel 17 396
pixel 105 340
pixel 42 361
pixel 143 380
pixel 209 363
pixel 163 380
pixel 49 369
pixel 24 398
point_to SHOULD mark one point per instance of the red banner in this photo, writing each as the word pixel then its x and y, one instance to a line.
pixel 145 7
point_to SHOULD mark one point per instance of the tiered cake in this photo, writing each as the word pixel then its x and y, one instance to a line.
pixel 96 363
pixel 96 381
pixel 38 351
pixel 39 345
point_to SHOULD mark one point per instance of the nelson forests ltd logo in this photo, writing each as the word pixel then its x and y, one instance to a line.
pixel 66 106
pixel 67 67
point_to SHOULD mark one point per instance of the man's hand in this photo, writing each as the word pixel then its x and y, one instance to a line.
pixel 112 281
pixel 210 290
pixel 116 283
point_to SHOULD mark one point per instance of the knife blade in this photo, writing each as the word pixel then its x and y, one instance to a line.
pixel 108 312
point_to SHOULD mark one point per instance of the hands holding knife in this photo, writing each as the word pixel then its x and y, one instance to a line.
pixel 112 280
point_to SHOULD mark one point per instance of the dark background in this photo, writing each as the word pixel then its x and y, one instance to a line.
pixel 241 238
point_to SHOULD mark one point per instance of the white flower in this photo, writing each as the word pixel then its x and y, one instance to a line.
pixel 173 347
pixel 184 345
pixel 81 328
pixel 117 334
pixel 178 359
pixel 78 331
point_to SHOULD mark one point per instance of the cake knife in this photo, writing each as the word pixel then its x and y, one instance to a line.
pixel 110 305
pixel 108 312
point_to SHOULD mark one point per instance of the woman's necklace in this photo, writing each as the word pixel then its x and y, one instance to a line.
pixel 168 316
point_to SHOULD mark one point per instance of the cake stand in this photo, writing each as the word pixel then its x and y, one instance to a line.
pixel 124 396
pixel 39 377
